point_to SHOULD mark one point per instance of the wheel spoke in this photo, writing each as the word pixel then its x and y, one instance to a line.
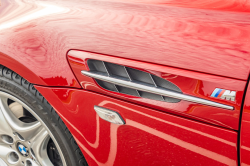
pixel 2 163
pixel 39 146
pixel 5 128
pixel 5 154
pixel 5 151
pixel 25 130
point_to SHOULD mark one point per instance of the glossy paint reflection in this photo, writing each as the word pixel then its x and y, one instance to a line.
pixel 44 10
pixel 30 48
pixel 195 35
pixel 151 137
pixel 228 5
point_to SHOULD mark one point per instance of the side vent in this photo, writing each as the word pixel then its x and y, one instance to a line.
pixel 134 82
pixel 128 74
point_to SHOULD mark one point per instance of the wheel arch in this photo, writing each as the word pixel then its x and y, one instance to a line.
pixel 20 69
pixel 18 79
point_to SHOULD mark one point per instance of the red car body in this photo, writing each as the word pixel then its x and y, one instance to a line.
pixel 198 45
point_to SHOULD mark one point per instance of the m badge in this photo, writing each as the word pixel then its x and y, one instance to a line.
pixel 224 94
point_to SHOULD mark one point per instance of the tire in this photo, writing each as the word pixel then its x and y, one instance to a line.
pixel 61 142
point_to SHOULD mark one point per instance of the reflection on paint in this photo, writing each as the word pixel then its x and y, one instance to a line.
pixel 113 139
pixel 45 10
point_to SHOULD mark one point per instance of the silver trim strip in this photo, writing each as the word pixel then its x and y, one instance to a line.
pixel 155 90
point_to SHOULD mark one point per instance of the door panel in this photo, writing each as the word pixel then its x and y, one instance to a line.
pixel 149 137
pixel 191 83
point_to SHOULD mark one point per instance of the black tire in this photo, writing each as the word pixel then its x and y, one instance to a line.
pixel 14 84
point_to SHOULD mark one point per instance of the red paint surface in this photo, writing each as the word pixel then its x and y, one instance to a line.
pixel 183 37
pixel 245 131
pixel 191 83
pixel 209 36
pixel 148 138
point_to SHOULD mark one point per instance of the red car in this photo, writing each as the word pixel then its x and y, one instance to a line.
pixel 124 82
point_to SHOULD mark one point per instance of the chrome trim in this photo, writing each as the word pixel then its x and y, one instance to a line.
pixel 155 90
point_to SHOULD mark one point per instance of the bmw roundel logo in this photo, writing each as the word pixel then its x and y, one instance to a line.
pixel 22 149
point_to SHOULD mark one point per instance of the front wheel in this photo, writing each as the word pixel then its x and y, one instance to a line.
pixel 31 132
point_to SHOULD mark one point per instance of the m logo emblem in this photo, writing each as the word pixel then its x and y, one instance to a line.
pixel 224 94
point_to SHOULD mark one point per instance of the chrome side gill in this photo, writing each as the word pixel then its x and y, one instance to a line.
pixel 154 90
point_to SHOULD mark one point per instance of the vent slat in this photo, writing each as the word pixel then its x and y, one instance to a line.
pixel 162 98
pixel 107 85
pixel 132 75
pixel 106 68
pixel 128 91
pixel 116 70
pixel 138 93
pixel 171 100
pixel 140 76
pixel 152 79
pixel 127 73
pixel 160 82
pixel 150 96
pixel 97 66
pixel 116 88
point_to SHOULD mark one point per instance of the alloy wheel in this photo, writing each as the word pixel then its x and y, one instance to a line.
pixel 24 137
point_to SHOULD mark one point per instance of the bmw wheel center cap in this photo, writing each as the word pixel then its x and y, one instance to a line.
pixel 22 149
